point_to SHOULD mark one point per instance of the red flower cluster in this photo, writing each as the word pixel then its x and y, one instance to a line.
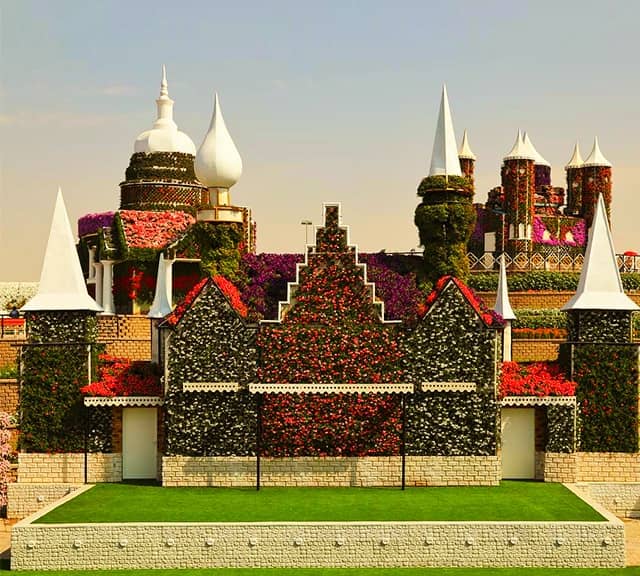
pixel 180 309
pixel 232 294
pixel 122 377
pixel 489 317
pixel 153 229
pixel 537 379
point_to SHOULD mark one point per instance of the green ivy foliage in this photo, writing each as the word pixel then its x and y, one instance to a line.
pixel 540 318
pixel 156 166
pixel 541 280
pixel 607 395
pixel 432 184
pixel 612 326
pixel 452 424
pixel 561 432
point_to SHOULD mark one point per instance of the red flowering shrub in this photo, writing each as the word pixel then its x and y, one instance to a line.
pixel 153 229
pixel 123 377
pixel 537 379
pixel 232 294
pixel 181 308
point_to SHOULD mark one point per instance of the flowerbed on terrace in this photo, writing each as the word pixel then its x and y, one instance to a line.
pixel 123 377
pixel 536 379
pixel 152 229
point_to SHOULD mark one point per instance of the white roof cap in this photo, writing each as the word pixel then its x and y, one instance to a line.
pixel 600 286
pixel 502 305
pixel 444 157
pixel 62 285
pixel 465 150
pixel 164 136
pixel 520 151
pixel 596 158
pixel 218 163
pixel 538 158
pixel 162 298
pixel 576 160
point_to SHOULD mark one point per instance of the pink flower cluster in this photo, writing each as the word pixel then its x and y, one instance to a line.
pixel 91 223
pixel 153 229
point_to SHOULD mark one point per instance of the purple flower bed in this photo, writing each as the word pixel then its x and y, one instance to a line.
pixel 91 223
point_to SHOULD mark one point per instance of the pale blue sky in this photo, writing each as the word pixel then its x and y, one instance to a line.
pixel 326 101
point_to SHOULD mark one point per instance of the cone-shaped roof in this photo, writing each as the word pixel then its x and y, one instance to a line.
pixel 503 306
pixel 520 151
pixel 161 305
pixel 596 158
pixel 218 163
pixel 62 285
pixel 600 286
pixel 444 157
pixel 465 150
pixel 164 136
pixel 538 158
pixel 576 159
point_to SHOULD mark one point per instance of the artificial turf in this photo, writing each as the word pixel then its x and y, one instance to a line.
pixel 511 501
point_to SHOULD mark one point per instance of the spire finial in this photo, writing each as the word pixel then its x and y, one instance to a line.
pixel 537 157
pixel 576 158
pixel 520 151
pixel 502 305
pixel 596 158
pixel 465 150
pixel 444 158
pixel 164 91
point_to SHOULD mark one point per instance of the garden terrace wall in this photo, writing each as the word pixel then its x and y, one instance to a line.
pixel 25 499
pixel 9 395
pixel 331 471
pixel 620 498
pixel 68 468
pixel 538 299
pixel 592 467
pixel 126 336
pixel 535 350
pixel 9 351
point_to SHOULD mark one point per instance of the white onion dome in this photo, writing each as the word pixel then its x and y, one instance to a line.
pixel 537 157
pixel 520 151
pixel 596 158
pixel 164 136
pixel 465 150
pixel 576 159
pixel 218 163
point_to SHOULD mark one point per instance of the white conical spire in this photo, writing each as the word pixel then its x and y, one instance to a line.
pixel 62 285
pixel 444 157
pixel 465 150
pixel 162 299
pixel 537 157
pixel 576 159
pixel 520 151
pixel 502 305
pixel 596 157
pixel 164 136
pixel 600 286
pixel 218 163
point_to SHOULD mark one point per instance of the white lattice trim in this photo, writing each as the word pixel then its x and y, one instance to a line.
pixel 449 386
pixel 211 387
pixel 538 401
pixel 331 388
pixel 124 401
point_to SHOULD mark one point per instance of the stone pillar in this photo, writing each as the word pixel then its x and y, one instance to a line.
pixel 506 341
pixel 98 280
pixel 107 287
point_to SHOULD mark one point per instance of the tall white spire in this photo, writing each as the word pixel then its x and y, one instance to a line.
pixel 444 157
pixel 520 151
pixel 596 158
pixel 218 163
pixel 62 285
pixel 576 159
pixel 164 136
pixel 161 305
pixel 502 305
pixel 537 157
pixel 465 150
pixel 600 286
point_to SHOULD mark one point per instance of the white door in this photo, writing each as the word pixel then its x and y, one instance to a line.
pixel 519 443
pixel 139 443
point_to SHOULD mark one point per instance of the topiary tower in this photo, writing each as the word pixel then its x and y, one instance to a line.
pixel 596 181
pixel 446 216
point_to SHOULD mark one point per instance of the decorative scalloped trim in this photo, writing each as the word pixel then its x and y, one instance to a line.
pixel 211 387
pixel 538 401
pixel 124 401
pixel 331 388
pixel 449 386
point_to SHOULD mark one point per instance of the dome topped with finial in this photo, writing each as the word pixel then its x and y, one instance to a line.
pixel 596 158
pixel 520 151
pixel 164 136
pixel 537 157
pixel 576 159
pixel 465 150
pixel 218 163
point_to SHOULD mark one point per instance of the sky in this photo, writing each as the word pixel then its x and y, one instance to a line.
pixel 326 101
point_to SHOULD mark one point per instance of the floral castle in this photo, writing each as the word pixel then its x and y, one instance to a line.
pixel 353 374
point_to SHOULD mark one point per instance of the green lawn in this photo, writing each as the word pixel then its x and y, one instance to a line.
pixel 357 572
pixel 528 501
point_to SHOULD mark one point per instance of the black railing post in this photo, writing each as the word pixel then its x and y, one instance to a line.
pixel 258 438
pixel 403 445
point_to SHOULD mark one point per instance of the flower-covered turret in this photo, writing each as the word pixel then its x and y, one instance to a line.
pixel 596 181
pixel 542 166
pixel 467 157
pixel 574 182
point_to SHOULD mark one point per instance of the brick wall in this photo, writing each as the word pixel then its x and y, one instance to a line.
pixel 331 471
pixel 9 351
pixel 592 467
pixel 9 395
pixel 68 468
pixel 126 336
pixel 535 350
pixel 539 299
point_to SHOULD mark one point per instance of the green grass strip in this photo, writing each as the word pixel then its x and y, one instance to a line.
pixel 517 501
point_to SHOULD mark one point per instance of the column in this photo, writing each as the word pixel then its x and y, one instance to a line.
pixel 107 287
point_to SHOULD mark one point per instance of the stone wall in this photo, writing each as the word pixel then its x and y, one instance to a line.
pixel 68 468
pixel 538 299
pixel 620 498
pixel 126 336
pixel 25 499
pixel 9 351
pixel 331 471
pixel 9 395
pixel 613 467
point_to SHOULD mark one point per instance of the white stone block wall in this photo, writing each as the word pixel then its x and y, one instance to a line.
pixel 25 499
pixel 331 471
pixel 612 467
pixel 620 498
pixel 68 468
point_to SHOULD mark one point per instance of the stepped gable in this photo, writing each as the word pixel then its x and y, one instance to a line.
pixel 331 285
